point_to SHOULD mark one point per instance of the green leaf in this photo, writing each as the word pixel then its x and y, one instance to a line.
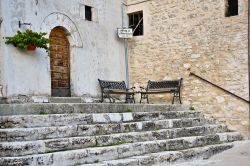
pixel 23 39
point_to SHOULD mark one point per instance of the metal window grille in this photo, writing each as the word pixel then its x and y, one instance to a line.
pixel 136 23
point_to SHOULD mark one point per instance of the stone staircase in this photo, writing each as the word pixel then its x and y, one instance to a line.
pixel 107 134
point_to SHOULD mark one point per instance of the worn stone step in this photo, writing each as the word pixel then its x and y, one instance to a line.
pixel 167 157
pixel 65 100
pixel 40 133
pixel 68 108
pixel 98 154
pixel 27 121
pixel 75 119
pixel 12 149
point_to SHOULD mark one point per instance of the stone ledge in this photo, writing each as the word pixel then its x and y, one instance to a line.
pixel 60 108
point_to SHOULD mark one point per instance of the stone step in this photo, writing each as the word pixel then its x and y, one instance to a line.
pixel 167 157
pixel 75 119
pixel 65 100
pixel 12 149
pixel 98 154
pixel 69 108
pixel 40 133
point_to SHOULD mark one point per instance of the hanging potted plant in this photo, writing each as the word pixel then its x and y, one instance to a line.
pixel 29 40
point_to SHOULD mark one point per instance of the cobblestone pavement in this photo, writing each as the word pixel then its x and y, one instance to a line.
pixel 239 155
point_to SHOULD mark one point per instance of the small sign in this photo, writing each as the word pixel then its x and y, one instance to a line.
pixel 125 33
pixel 40 99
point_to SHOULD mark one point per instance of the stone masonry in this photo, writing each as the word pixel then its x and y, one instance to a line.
pixel 68 134
pixel 195 36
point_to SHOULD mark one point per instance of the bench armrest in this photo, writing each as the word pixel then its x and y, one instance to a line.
pixel 132 88
pixel 142 88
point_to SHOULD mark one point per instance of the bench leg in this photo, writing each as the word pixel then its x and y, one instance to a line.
pixel 130 98
pixel 144 96
pixel 178 94
pixel 127 99
pixel 173 99
pixel 102 99
pixel 108 96
pixel 180 97
pixel 141 98
pixel 175 95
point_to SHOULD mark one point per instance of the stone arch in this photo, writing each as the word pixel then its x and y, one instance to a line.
pixel 57 19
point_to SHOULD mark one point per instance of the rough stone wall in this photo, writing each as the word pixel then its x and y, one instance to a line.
pixel 195 35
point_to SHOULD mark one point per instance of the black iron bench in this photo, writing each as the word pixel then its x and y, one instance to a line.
pixel 116 87
pixel 166 86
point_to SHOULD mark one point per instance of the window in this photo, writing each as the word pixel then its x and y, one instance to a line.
pixel 136 23
pixel 231 8
pixel 88 13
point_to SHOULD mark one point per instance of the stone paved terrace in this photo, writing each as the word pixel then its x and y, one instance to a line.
pixel 67 134
pixel 238 155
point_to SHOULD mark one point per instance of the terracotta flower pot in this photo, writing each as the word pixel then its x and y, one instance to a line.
pixel 31 47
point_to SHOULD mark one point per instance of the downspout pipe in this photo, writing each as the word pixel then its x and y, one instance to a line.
pixel 248 14
pixel 125 46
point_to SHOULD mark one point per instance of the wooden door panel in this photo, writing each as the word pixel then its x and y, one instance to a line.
pixel 59 63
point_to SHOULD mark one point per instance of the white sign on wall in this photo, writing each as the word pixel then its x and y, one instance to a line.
pixel 125 33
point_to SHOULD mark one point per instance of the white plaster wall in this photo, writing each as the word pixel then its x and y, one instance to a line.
pixel 1 55
pixel 98 54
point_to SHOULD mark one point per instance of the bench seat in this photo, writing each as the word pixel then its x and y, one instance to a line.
pixel 116 87
pixel 165 86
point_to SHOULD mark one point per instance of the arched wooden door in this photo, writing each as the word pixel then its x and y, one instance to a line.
pixel 60 63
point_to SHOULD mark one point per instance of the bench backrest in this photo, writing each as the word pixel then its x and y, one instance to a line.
pixel 112 84
pixel 165 84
